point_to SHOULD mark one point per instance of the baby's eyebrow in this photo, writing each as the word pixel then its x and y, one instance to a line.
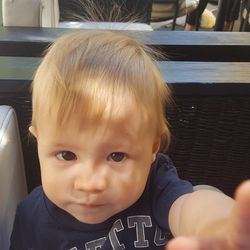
pixel 62 145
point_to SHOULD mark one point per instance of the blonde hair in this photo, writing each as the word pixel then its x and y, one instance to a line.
pixel 85 72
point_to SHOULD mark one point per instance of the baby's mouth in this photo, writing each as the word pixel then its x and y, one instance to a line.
pixel 91 205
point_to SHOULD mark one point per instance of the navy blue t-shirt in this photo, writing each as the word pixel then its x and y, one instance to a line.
pixel 41 225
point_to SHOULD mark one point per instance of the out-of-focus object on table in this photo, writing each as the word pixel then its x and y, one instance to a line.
pixel 245 17
pixel 165 10
pixel 227 9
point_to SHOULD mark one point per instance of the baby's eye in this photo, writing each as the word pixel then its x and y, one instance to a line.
pixel 117 156
pixel 66 156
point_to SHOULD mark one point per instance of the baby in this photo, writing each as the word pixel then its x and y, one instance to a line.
pixel 99 121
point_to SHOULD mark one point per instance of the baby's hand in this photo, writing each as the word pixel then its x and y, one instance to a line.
pixel 236 235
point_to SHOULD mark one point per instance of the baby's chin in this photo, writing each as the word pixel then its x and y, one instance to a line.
pixel 92 220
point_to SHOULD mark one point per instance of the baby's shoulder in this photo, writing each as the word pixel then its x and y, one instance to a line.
pixel 32 202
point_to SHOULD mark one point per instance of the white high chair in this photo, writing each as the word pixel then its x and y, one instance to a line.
pixel 13 186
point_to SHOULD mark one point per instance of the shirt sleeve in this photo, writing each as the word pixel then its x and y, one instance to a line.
pixel 166 187
pixel 26 219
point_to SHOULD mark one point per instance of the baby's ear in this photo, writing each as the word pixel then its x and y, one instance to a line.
pixel 156 147
pixel 32 130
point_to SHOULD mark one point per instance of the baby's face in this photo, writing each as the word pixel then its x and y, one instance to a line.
pixel 98 170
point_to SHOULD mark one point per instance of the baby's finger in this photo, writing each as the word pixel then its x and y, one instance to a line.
pixel 183 243
pixel 241 217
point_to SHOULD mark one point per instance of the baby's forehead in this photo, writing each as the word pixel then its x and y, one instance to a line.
pixel 128 124
pixel 121 115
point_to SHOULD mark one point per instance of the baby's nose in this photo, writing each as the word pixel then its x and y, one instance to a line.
pixel 91 179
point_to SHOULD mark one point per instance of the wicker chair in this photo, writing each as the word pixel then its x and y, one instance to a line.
pixel 210 138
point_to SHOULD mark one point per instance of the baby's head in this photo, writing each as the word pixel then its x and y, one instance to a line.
pixel 99 107
pixel 93 74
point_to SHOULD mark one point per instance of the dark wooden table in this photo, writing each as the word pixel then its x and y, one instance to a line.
pixel 177 45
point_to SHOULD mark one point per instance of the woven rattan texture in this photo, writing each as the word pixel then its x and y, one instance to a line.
pixel 210 138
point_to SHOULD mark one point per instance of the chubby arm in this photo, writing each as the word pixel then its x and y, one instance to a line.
pixel 210 220
pixel 200 213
